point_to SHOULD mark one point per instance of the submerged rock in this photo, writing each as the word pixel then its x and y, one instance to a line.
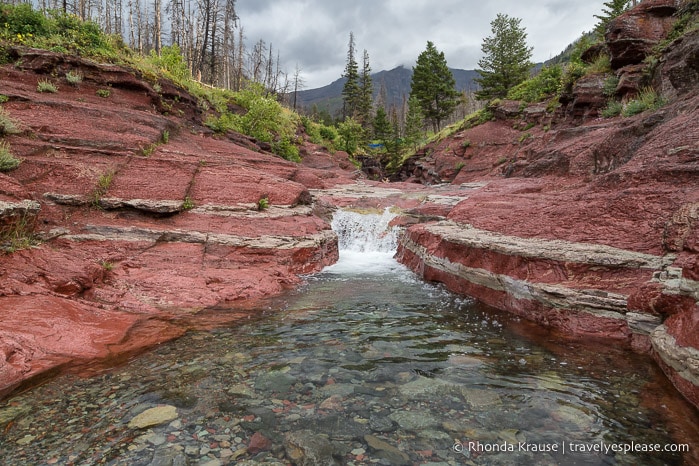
pixel 386 451
pixel 153 417
pixel 414 421
pixel 307 448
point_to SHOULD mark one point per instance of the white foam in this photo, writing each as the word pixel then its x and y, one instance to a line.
pixel 361 232
pixel 367 244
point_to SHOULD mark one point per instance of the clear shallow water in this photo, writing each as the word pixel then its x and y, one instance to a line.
pixel 364 364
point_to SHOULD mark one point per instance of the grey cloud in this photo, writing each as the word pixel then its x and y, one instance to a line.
pixel 314 33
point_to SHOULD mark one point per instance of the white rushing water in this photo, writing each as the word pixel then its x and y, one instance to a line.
pixel 367 243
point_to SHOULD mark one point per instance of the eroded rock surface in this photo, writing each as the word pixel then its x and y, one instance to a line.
pixel 588 228
pixel 135 236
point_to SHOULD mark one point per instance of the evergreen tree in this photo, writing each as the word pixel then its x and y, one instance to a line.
pixel 366 93
pixel 433 86
pixel 395 144
pixel 382 127
pixel 610 11
pixel 414 121
pixel 506 61
pixel 351 89
pixel 351 135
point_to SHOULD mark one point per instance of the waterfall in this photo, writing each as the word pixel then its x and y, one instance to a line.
pixel 359 232
pixel 367 243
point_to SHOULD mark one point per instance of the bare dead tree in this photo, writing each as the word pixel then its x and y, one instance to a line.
pixel 157 26
pixel 257 61
pixel 298 84
pixel 132 32
pixel 239 61
pixel 228 50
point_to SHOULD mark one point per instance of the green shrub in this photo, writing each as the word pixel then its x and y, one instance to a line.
pixel 484 116
pixel 573 72
pixel 54 30
pixel 7 160
pixel 610 85
pixel 687 20
pixel 165 137
pixel 328 133
pixel 188 203
pixel 263 203
pixel 84 36
pixel 648 99
pixel 223 123
pixel 104 93
pixel 286 149
pixel 537 88
pixel 351 133
pixel 602 64
pixel 265 120
pixel 103 184
pixel 552 105
pixel 613 108
pixel 634 107
pixel 46 86
pixel 22 20
pixel 148 150
pixel 524 137
pixel 7 124
pixel 105 181
pixel 172 62
pixel 312 130
pixel 18 234
pixel 264 115
pixel 74 78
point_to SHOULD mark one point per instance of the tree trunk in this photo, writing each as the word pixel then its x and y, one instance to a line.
pixel 157 26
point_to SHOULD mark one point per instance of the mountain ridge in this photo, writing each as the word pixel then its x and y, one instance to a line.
pixel 396 82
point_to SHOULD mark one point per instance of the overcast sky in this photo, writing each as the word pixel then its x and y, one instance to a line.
pixel 314 33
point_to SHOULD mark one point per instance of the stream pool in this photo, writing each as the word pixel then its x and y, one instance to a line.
pixel 363 364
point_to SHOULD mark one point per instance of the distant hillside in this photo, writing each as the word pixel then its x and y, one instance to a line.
pixel 396 82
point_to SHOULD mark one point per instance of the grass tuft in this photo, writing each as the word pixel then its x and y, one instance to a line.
pixel 18 235
pixel 74 78
pixel 46 86
pixel 8 161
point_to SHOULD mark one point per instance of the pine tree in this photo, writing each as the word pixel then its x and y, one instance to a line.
pixel 433 86
pixel 366 94
pixel 414 121
pixel 395 144
pixel 382 127
pixel 610 11
pixel 506 61
pixel 350 91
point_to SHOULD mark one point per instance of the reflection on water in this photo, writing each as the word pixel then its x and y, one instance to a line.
pixel 364 364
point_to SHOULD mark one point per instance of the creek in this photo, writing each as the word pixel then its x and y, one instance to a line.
pixel 362 364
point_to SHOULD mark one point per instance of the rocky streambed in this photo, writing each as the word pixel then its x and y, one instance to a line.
pixel 402 373
pixel 587 227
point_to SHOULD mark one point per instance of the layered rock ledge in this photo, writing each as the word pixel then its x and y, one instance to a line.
pixel 587 226
pixel 136 237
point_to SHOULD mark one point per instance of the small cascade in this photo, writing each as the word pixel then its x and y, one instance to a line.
pixel 359 232
pixel 367 244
